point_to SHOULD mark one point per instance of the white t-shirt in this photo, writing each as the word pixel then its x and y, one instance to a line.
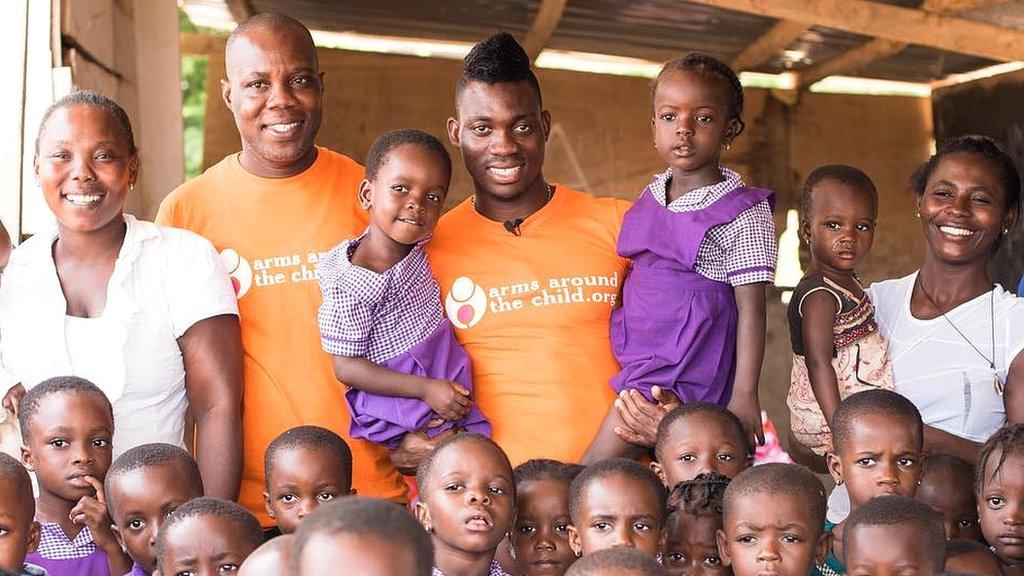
pixel 164 281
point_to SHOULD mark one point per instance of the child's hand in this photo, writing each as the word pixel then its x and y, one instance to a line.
pixel 449 399
pixel 747 408
pixel 92 512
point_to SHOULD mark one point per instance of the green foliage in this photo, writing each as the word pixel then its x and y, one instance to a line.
pixel 193 103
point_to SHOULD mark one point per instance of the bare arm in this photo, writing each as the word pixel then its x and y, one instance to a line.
pixel 449 399
pixel 941 442
pixel 212 352
pixel 750 340
pixel 819 315
pixel 1013 391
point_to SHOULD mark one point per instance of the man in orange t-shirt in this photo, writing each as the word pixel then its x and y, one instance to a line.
pixel 271 211
pixel 528 270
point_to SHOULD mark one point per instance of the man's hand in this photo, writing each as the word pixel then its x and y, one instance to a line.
pixel 642 417
pixel 414 448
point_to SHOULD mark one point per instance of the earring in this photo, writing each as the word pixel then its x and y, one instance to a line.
pixel 1006 231
pixel 727 146
pixel 655 145
pixel 917 215
pixel 131 187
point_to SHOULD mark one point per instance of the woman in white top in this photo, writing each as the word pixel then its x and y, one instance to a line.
pixel 147 313
pixel 955 339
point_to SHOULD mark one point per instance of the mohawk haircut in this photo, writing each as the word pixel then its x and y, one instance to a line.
pixel 149 456
pixel 911 516
pixel 873 402
pixel 498 59
pixel 611 561
pixel 614 467
pixel 57 385
pixel 777 479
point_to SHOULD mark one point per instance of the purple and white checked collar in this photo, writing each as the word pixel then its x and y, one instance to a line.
pixel 54 544
pixel 495 571
pixel 699 198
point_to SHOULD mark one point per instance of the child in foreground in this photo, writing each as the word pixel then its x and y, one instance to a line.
pixel 772 518
pixel 699 438
pixel 144 486
pixel 947 485
pixel 272 558
pixel 702 246
pixel 467 500
pixel 366 536
pixel 893 535
pixel 877 440
pixel 694 518
pixel 381 317
pixel 207 537
pixel 17 511
pixel 616 562
pixel 837 348
pixel 67 425
pixel 304 467
pixel 616 503
pixel 540 536
pixel 1001 496
pixel 971 557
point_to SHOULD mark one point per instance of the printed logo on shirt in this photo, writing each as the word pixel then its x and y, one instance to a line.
pixel 239 270
pixel 466 303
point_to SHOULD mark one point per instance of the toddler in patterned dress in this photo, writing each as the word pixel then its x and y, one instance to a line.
pixel 381 317
pixel 837 348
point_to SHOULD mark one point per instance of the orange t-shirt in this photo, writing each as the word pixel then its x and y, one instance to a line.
pixel 270 233
pixel 533 311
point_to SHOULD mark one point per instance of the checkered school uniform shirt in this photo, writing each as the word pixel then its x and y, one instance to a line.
pixel 495 571
pixel 743 251
pixel 376 316
pixel 54 544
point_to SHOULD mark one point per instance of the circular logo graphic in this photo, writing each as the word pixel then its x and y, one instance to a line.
pixel 466 303
pixel 239 270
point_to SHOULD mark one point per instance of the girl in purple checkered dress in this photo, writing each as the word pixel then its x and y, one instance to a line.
pixel 702 246
pixel 381 317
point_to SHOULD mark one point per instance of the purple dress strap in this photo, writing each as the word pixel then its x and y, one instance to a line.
pixel 94 564
pixel 385 419
pixel 676 329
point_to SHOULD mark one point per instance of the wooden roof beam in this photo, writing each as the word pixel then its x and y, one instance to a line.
pixel 891 23
pixel 782 34
pixel 543 26
pixel 241 10
pixel 955 6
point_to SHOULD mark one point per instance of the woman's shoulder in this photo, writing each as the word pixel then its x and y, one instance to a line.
pixel 892 289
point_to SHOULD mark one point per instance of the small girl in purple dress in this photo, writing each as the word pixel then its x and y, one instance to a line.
pixel 702 245
pixel 381 316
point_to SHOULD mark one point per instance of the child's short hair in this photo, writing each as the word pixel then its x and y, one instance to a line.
pixel 777 478
pixel 368 517
pixel 249 530
pixel 1006 441
pixel 894 510
pixel 884 402
pixel 426 468
pixel 708 66
pixel 702 495
pixel 957 467
pixel 981 146
pixel 58 385
pixel 152 456
pixel 496 60
pixel 312 438
pixel 384 144
pixel 15 472
pixel 614 467
pixel 690 408
pixel 545 469
pixel 616 561
pixel 849 175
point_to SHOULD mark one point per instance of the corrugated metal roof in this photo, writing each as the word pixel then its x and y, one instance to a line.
pixel 654 30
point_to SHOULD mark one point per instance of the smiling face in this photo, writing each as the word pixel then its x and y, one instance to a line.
pixel 204 545
pixel 840 225
pixel 881 455
pixel 468 501
pixel 140 501
pixel 275 92
pixel 963 208
pixel 618 511
pixel 302 479
pixel 501 131
pixel 691 120
pixel 952 496
pixel 1001 507
pixel 407 194
pixel 690 548
pixel 85 168
pixel 540 535
pixel 700 443
pixel 771 535
pixel 890 550
pixel 69 439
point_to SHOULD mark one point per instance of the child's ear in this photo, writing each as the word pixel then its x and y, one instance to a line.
pixel 267 506
pixel 822 547
pixel 723 548
pixel 805 230
pixel 365 194
pixel 34 534
pixel 423 516
pixel 835 467
pixel 118 537
pixel 657 469
pixel 26 458
pixel 574 540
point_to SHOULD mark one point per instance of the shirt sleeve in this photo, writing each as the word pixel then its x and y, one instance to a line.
pixel 345 322
pixel 197 286
pixel 751 249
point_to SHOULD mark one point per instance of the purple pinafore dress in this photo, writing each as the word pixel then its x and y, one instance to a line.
pixel 676 329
